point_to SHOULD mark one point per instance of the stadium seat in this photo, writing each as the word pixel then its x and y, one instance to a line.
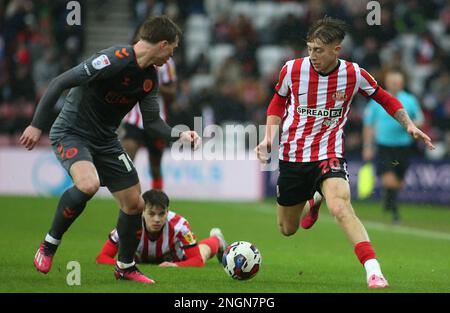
pixel 197 22
pixel 245 8
pixel 218 54
pixel 271 57
pixel 200 82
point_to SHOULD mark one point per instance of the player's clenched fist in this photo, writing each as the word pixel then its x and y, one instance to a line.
pixel 263 151
pixel 192 137
pixel 30 137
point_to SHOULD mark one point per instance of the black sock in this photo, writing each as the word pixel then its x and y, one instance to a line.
pixel 128 228
pixel 71 204
pixel 390 200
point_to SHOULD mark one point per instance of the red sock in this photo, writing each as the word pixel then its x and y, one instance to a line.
pixel 157 183
pixel 364 251
pixel 213 243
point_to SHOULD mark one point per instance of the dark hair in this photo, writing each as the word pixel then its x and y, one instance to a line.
pixel 327 30
pixel 157 198
pixel 158 28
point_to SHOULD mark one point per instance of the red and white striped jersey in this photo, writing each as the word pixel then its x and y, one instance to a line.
pixel 317 108
pixel 166 75
pixel 175 236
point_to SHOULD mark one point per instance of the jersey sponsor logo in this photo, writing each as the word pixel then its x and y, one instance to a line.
pixel 339 96
pixel 101 62
pixel 331 113
pixel 148 84
pixel 189 237
pixel 115 97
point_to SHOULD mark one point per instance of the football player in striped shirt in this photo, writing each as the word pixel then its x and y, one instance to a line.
pixel 166 238
pixel 310 107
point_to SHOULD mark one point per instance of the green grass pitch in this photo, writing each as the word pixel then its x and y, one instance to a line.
pixel 414 256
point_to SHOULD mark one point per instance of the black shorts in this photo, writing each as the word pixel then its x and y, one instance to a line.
pixel 298 182
pixel 114 167
pixel 154 144
pixel 393 159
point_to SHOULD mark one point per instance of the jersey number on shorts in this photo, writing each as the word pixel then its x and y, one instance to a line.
pixel 126 160
pixel 331 164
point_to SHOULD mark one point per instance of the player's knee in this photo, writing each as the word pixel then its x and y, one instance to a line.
pixel 88 186
pixel 287 230
pixel 134 205
pixel 340 208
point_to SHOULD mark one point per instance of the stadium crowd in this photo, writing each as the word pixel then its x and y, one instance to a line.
pixel 230 55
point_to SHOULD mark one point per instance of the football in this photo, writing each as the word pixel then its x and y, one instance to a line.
pixel 241 260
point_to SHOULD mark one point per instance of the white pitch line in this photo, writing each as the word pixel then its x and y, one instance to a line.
pixel 406 230
pixel 399 229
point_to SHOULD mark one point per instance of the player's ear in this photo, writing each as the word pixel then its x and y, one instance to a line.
pixel 163 44
pixel 337 48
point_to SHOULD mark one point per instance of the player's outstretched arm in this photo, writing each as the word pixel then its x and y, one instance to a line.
pixel 403 119
pixel 153 124
pixel 193 259
pixel 41 119
pixel 396 110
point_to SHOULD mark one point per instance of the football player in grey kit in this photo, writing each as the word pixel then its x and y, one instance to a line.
pixel 103 89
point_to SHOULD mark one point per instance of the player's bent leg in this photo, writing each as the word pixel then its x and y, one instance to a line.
pixel 130 200
pixel 312 211
pixel 129 228
pixel 337 195
pixel 336 191
pixel 205 251
pixel 85 177
pixel 70 206
pixel 288 217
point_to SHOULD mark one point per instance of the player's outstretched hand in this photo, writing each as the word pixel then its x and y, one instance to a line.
pixel 416 133
pixel 168 264
pixel 263 151
pixel 192 137
pixel 30 137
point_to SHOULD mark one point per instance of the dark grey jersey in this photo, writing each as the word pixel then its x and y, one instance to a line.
pixel 105 88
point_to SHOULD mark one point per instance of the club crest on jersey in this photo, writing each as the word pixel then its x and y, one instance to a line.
pixel 148 84
pixel 189 237
pixel 330 122
pixel 100 62
pixel 339 96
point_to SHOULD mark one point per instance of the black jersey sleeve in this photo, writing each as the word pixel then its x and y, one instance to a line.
pixel 153 124
pixel 101 65
pixel 66 80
